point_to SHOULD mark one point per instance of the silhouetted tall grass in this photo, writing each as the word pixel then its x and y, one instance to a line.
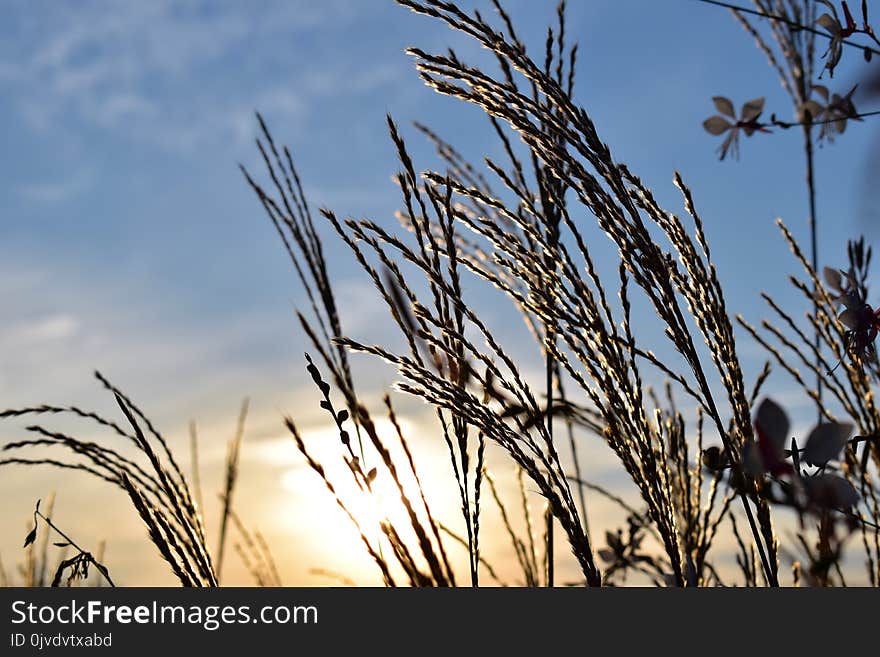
pixel 705 457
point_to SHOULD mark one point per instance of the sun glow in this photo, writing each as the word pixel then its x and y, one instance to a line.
pixel 370 508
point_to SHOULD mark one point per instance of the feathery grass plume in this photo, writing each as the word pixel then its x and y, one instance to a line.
pixel 448 361
pixel 255 554
pixel 452 355
pixel 432 522
pixel 439 350
pixel 460 168
pixel 153 481
pixel 544 193
pixel 290 213
pixel 416 546
pixel 232 454
pixel 575 307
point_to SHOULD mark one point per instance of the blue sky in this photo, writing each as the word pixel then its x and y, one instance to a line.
pixel 130 243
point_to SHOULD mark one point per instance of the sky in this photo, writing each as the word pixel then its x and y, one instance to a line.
pixel 129 242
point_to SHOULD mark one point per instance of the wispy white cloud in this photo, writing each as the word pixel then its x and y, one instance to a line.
pixel 41 330
pixel 179 74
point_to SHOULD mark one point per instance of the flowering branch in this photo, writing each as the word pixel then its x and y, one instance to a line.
pixel 832 117
pixel 866 29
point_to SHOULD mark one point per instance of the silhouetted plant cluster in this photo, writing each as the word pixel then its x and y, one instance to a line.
pixel 532 225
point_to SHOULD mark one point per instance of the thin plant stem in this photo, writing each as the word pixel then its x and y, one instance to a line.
pixel 811 122
pixel 99 566
pixel 814 258
pixel 794 24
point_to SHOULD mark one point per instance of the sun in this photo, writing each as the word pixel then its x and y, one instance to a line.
pixel 309 505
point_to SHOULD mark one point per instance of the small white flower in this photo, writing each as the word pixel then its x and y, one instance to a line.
pixel 727 122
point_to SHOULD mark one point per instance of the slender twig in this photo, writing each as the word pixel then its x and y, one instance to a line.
pixel 83 553
pixel 814 256
pixel 787 21
pixel 807 122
